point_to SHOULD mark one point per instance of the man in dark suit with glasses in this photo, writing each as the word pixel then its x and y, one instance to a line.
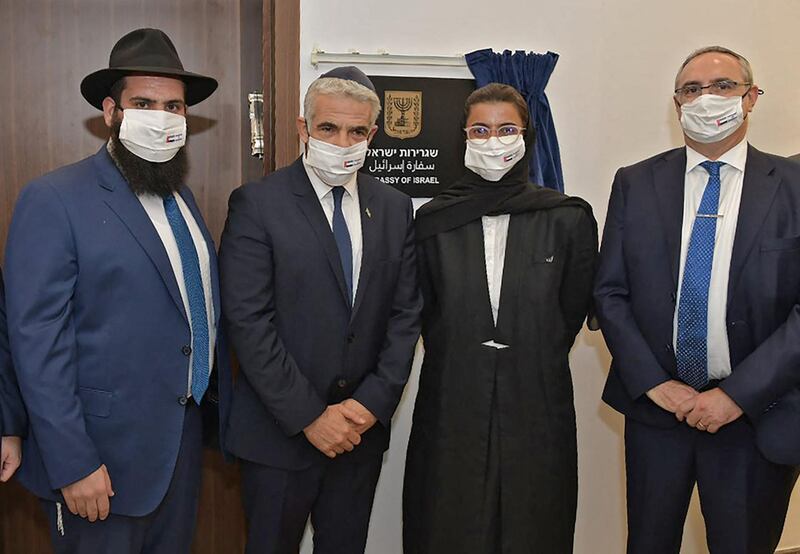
pixel 698 296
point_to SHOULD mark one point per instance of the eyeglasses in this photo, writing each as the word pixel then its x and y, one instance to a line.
pixel 720 88
pixel 506 134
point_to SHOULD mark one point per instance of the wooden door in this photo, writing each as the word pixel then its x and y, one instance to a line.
pixel 46 48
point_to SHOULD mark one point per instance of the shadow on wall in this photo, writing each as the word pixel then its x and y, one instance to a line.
pixel 592 341
pixel 195 123
pixel 674 125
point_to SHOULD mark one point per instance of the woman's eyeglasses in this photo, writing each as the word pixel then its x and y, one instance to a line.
pixel 506 134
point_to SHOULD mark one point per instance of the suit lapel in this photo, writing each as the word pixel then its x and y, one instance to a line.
pixel 210 246
pixel 370 216
pixel 669 176
pixel 127 207
pixel 758 192
pixel 309 204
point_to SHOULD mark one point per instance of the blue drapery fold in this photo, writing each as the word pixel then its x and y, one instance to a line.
pixel 529 74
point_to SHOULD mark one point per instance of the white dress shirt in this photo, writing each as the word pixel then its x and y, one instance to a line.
pixel 495 236
pixel 730 195
pixel 351 209
pixel 154 206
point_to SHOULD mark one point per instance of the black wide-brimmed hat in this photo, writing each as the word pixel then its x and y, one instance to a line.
pixel 149 52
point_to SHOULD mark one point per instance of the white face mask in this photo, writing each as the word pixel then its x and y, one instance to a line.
pixel 333 164
pixel 493 159
pixel 153 135
pixel 711 118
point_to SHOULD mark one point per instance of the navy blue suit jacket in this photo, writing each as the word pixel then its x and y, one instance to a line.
pixel 637 282
pixel 299 345
pixel 13 420
pixel 97 329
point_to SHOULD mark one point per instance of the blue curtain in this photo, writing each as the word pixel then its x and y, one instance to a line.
pixel 528 73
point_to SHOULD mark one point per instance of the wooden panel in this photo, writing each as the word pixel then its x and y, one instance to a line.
pixel 251 44
pixel 23 529
pixel 46 48
pixel 220 518
pixel 285 79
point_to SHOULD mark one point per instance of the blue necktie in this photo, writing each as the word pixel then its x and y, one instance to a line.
pixel 692 342
pixel 195 294
pixel 342 237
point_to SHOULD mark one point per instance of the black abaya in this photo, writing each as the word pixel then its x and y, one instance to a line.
pixel 492 462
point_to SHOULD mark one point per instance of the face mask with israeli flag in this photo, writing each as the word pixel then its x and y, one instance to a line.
pixel 333 164
pixel 711 118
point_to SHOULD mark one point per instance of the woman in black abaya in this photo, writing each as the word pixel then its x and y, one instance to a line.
pixel 506 271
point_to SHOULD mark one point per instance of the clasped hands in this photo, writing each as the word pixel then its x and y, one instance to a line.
pixel 339 428
pixel 705 411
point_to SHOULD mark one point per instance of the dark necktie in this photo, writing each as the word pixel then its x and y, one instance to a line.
pixel 692 341
pixel 342 236
pixel 195 294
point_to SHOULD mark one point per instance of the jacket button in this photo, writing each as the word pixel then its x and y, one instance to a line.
pixel 186 349
pixel 182 400
pixel 341 383
pixel 351 337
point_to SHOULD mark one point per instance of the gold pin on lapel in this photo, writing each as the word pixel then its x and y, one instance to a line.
pixel 369 215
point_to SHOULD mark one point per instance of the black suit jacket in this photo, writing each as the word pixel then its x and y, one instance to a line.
pixel 299 344
pixel 637 282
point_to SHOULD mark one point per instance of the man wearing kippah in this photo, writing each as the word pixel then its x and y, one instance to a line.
pixel 320 301
pixel 113 307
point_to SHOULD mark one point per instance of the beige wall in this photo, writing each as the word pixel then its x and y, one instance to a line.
pixel 611 100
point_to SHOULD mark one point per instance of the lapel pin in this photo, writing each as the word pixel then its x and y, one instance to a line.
pixel 369 215
pixel 549 259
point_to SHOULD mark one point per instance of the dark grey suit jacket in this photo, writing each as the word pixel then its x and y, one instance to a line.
pixel 299 344
pixel 636 288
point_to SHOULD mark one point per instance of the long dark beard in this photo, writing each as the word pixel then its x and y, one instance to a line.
pixel 161 179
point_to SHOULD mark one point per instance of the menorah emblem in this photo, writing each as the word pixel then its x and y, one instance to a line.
pixel 403 104
pixel 403 115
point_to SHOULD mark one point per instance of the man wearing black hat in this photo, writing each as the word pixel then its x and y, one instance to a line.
pixel 113 309
pixel 319 290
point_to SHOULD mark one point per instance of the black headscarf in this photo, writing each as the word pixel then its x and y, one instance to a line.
pixel 472 197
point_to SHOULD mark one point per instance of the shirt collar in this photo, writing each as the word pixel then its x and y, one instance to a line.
pixel 321 188
pixel 736 157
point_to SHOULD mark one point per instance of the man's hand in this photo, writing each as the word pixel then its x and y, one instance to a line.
pixel 89 497
pixel 709 411
pixel 10 457
pixel 332 433
pixel 366 416
pixel 669 395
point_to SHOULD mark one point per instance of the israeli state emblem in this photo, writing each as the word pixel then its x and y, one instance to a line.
pixel 402 115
